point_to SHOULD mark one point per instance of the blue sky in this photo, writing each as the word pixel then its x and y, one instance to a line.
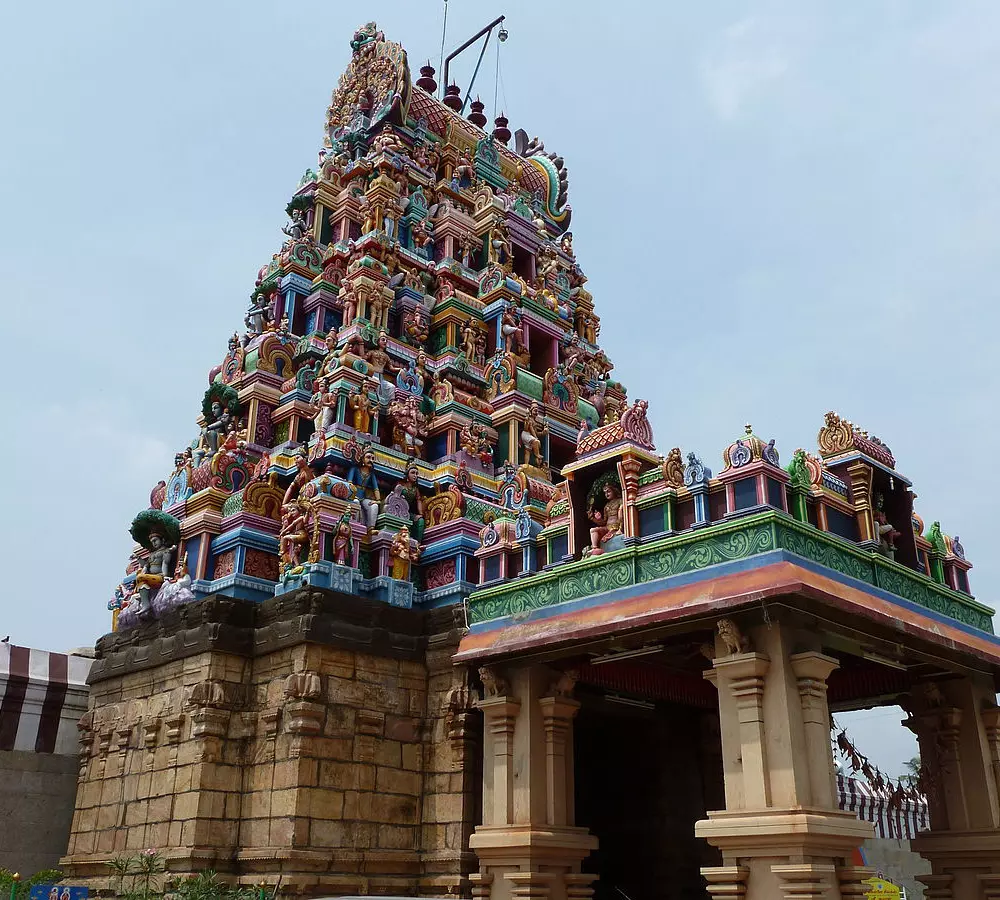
pixel 783 208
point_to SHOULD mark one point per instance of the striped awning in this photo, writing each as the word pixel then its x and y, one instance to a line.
pixel 900 821
pixel 42 696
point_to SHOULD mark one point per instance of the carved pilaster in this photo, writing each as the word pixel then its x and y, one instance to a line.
pixel 481 884
pixel 811 672
pixel 743 675
pixel 990 885
pixel 725 882
pixel 579 886
pixel 991 722
pixel 860 478
pixel 801 881
pixel 628 470
pixel 500 714
pixel 557 715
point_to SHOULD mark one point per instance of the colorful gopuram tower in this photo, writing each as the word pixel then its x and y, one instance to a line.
pixel 419 593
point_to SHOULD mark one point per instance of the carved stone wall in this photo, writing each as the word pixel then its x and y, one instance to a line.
pixel 318 736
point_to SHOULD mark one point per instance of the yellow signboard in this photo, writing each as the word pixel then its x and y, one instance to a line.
pixel 881 889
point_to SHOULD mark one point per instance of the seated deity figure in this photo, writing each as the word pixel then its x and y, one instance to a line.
pixel 218 424
pixel 153 572
pixel 364 479
pixel 607 522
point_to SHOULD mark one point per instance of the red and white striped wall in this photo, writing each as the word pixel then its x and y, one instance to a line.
pixel 900 822
pixel 42 696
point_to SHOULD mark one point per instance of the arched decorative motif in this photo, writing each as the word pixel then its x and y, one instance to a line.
pixel 444 506
pixel 270 351
pixel 263 499
pixel 560 390
pixel 501 375
pixel 374 88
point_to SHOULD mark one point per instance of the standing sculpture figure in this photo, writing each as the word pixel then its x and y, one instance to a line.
pixel 411 493
pixel 364 479
pixel 509 325
pixel 361 404
pixel 402 554
pixel 343 551
pixel 294 535
pixel 531 435
pixel 297 228
pixel 322 402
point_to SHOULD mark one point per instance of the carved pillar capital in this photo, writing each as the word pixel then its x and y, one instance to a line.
pixel 852 881
pixel 531 885
pixel 800 881
pixel 937 887
pixel 725 882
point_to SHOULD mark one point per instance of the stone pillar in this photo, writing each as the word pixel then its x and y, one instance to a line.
pixel 957 722
pixel 781 834
pixel 527 845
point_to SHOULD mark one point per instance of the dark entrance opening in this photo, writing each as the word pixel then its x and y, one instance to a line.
pixel 645 773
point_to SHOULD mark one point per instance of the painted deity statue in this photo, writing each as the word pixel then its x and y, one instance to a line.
pixel 470 341
pixel 297 229
pixel 343 549
pixel 377 357
pixel 294 535
pixel 531 436
pixel 509 326
pixel 217 425
pixel 409 425
pixel 607 522
pixel 475 441
pixel 153 571
pixel 261 313
pixel 884 531
pixel 303 474
pixel 323 403
pixel 402 554
pixel 410 491
pixel 361 406
pixel 364 479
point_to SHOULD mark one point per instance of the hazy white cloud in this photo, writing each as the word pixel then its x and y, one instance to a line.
pixel 742 65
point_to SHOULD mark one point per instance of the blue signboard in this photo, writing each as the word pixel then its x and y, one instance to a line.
pixel 57 892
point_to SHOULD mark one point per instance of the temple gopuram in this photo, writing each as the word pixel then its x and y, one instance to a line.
pixel 421 610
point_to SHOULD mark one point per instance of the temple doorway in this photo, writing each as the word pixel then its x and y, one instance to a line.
pixel 645 773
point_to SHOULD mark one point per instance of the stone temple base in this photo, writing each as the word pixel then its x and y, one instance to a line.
pixel 320 737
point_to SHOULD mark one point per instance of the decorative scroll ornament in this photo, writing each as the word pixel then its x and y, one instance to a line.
pixel 673 468
pixel 374 88
pixel 840 436
pixel 636 425
pixel 748 449
pixel 695 473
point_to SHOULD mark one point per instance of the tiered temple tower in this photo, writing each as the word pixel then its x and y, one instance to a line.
pixel 420 528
